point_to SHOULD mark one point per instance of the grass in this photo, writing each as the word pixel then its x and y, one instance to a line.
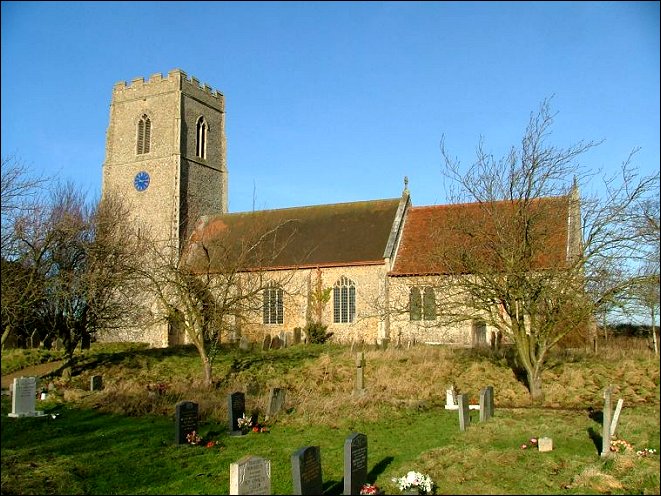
pixel 120 440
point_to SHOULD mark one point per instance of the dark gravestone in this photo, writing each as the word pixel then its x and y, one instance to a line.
pixel 276 401
pixel 276 343
pixel 185 419
pixel 96 383
pixel 266 344
pixel 355 463
pixel 306 470
pixel 236 408
pixel 85 342
pixel 297 335
pixel 464 414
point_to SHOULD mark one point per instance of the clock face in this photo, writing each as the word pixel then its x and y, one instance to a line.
pixel 141 181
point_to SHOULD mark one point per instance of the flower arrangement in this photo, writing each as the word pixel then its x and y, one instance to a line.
pixel 416 481
pixel 193 438
pixel 646 452
pixel 246 425
pixel 532 442
pixel 620 446
pixel 369 489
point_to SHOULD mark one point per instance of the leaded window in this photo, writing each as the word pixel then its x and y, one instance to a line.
pixel 422 304
pixel 344 301
pixel 273 309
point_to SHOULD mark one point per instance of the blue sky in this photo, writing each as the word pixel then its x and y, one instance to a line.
pixel 337 101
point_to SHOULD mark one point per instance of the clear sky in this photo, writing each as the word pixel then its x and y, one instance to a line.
pixel 337 101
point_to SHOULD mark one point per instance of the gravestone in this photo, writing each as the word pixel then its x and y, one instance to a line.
pixel 85 342
pixel 24 398
pixel 451 398
pixel 276 401
pixel 355 463
pixel 266 344
pixel 185 420
pixel 286 339
pixel 244 344
pixel 276 343
pixel 545 444
pixel 616 416
pixel 236 408
pixel 250 475
pixel 297 335
pixel 606 428
pixel 464 412
pixel 484 405
pixel 96 383
pixel 306 471
pixel 360 373
pixel 490 403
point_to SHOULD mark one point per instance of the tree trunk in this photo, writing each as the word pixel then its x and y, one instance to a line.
pixel 535 387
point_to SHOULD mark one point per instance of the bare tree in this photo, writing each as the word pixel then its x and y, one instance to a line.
pixel 529 257
pixel 216 284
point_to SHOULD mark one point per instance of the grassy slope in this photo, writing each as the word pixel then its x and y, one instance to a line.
pixel 123 435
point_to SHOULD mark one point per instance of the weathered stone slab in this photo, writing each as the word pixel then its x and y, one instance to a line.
pixel 250 475
pixel 306 471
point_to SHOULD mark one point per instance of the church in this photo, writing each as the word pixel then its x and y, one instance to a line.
pixel 375 261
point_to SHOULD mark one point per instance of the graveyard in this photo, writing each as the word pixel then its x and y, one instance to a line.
pixel 327 419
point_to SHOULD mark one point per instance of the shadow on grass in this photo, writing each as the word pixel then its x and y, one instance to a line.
pixel 378 469
pixel 597 439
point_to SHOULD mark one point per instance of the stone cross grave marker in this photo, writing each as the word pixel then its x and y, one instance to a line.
pixel 276 401
pixel 360 373
pixel 355 463
pixel 96 383
pixel 606 428
pixel 616 416
pixel 306 470
pixel 236 408
pixel 24 398
pixel 185 420
pixel 464 412
pixel 250 475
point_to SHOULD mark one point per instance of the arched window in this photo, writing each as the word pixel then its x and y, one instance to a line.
pixel 344 301
pixel 144 135
pixel 415 304
pixel 201 138
pixel 429 304
pixel 272 305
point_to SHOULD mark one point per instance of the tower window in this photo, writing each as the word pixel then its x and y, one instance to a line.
pixel 272 305
pixel 144 135
pixel 344 301
pixel 201 138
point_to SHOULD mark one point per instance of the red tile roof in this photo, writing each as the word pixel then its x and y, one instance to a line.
pixel 451 239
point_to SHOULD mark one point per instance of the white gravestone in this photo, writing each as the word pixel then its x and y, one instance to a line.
pixel 545 444
pixel 250 475
pixel 24 398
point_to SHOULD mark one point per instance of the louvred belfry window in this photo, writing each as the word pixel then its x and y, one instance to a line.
pixel 144 135
pixel 201 141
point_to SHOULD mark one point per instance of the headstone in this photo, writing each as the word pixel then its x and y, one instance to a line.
pixel 276 401
pixel 286 339
pixel 306 471
pixel 250 475
pixel 360 373
pixel 24 398
pixel 616 416
pixel 484 405
pixel 244 344
pixel 355 463
pixel 490 403
pixel 545 444
pixel 185 420
pixel 276 343
pixel 297 335
pixel 606 428
pixel 464 413
pixel 85 342
pixel 59 344
pixel 451 399
pixel 96 383
pixel 236 408
pixel 266 344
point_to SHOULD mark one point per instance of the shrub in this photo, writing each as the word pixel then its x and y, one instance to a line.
pixel 316 332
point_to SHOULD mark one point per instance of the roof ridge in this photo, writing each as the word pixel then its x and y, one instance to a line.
pixel 301 207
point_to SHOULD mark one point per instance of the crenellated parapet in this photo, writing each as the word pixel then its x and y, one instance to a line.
pixel 175 79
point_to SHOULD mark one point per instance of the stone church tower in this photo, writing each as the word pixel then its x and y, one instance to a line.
pixel 165 156
pixel 165 152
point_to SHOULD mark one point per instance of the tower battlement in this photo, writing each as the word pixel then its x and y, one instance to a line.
pixel 174 76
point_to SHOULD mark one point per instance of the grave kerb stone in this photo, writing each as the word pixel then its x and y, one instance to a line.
pixel 250 475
